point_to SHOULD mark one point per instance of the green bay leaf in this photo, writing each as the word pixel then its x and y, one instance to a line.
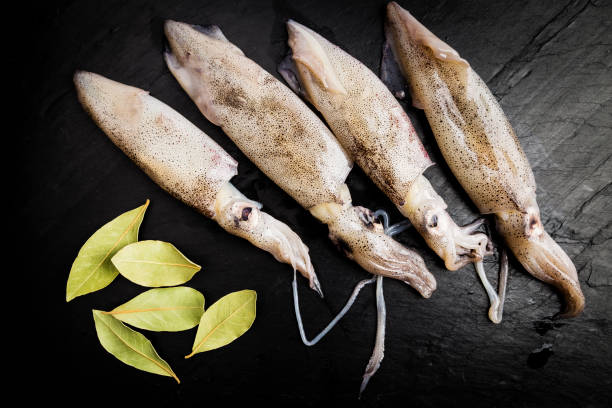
pixel 92 269
pixel 162 309
pixel 226 320
pixel 154 264
pixel 129 346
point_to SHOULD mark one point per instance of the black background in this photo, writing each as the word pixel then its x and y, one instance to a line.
pixel 549 64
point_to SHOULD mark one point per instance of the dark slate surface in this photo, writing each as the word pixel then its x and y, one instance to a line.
pixel 549 63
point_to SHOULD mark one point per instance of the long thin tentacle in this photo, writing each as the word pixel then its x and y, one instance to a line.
pixel 397 228
pixel 381 309
pixel 331 324
pixel 394 229
pixel 503 280
pixel 493 298
pixel 385 218
pixel 497 300
pixel 379 346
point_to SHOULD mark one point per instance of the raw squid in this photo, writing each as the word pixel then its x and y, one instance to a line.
pixel 374 129
pixel 188 164
pixel 289 143
pixel 481 149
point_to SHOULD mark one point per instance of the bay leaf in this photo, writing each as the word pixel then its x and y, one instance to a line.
pixel 92 269
pixel 154 264
pixel 129 346
pixel 226 320
pixel 162 309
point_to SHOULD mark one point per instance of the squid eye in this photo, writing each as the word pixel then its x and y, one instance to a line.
pixel 534 226
pixel 246 211
pixel 245 216
pixel 434 221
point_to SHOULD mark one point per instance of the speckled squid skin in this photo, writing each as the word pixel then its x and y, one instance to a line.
pixel 171 150
pixel 365 117
pixel 264 118
pixel 472 131
pixel 187 163
pixel 288 142
pixel 481 148
pixel 374 129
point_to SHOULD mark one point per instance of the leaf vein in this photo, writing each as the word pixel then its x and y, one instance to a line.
pixel 169 371
pixel 215 328
pixel 158 263
pixel 112 312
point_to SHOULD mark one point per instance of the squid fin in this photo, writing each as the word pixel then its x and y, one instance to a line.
pixel 391 73
pixel 420 35
pixel 288 71
pixel 210 30
pixel 308 51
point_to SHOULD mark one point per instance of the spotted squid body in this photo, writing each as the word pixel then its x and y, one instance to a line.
pixel 374 129
pixel 481 149
pixel 188 164
pixel 288 142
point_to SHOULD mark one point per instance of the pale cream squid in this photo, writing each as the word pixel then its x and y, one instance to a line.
pixel 188 164
pixel 481 148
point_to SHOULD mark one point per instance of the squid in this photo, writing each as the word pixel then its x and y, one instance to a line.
pixel 374 129
pixel 481 149
pixel 188 164
pixel 289 143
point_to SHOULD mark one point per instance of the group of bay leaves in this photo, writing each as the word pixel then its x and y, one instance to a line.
pixel 114 249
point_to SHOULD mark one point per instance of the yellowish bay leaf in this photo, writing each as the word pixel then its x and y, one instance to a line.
pixel 154 264
pixel 226 320
pixel 162 309
pixel 92 269
pixel 129 346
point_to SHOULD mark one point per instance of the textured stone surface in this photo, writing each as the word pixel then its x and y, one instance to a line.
pixel 548 62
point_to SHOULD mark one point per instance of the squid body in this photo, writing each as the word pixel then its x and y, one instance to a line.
pixel 481 149
pixel 374 129
pixel 288 142
pixel 188 164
